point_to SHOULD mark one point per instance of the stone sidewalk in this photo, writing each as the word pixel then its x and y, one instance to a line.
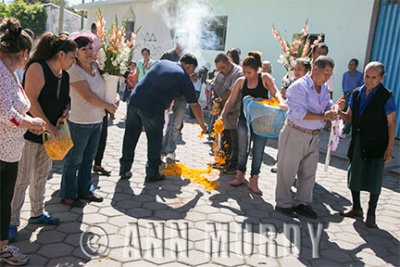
pixel 178 214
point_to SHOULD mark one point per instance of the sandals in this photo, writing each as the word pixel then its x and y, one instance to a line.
pixel 100 170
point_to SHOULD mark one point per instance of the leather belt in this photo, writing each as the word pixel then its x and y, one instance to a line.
pixel 301 129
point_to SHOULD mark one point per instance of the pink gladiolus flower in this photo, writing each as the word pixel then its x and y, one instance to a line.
pixel 111 48
pixel 306 47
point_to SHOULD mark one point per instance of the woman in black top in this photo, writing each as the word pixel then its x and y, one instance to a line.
pixel 46 84
pixel 255 84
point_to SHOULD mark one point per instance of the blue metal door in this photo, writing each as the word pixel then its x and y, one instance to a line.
pixel 386 48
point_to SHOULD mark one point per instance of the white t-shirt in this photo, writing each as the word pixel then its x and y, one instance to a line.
pixel 82 111
pixel 331 83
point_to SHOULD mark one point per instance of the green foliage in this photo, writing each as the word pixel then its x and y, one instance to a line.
pixel 31 16
pixel 56 2
pixel 3 11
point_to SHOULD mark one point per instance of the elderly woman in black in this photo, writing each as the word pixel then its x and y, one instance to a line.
pixel 372 112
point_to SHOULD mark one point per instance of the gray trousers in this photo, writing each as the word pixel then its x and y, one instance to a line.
pixel 33 170
pixel 298 154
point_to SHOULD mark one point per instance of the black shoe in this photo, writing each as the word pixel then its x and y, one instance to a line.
pixel 286 211
pixel 93 198
pixel 370 221
pixel 306 211
pixel 126 175
pixel 352 214
pixel 101 171
pixel 151 179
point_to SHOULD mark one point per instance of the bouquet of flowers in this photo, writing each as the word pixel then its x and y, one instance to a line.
pixel 299 48
pixel 334 138
pixel 116 50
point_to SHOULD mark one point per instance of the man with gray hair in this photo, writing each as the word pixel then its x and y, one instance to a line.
pixel 309 106
pixel 222 86
pixel 266 67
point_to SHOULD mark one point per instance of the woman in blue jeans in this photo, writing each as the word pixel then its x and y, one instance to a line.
pixel 85 120
pixel 255 84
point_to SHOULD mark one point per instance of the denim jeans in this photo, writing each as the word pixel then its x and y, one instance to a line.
pixel 174 127
pixel 258 148
pixel 76 180
pixel 153 125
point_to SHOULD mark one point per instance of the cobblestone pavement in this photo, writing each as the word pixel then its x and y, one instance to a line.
pixel 194 219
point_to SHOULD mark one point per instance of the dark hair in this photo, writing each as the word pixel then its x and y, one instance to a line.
pixel 49 45
pixel 82 41
pixel 221 58
pixel 30 33
pixel 253 60
pixel 189 59
pixel 132 62
pixel 323 61
pixel 12 38
pixel 305 63
pixel 144 49
pixel 354 60
pixel 93 26
pixel 320 45
pixel 235 55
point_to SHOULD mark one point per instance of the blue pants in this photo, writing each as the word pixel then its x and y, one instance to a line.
pixel 153 125
pixel 76 178
pixel 174 127
pixel 244 147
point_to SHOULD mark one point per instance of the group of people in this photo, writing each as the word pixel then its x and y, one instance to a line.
pixel 62 84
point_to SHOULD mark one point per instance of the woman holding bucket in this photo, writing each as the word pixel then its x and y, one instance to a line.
pixel 255 84
pixel 46 84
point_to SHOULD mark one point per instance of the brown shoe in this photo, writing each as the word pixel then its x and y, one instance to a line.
pixel 253 185
pixel 370 221
pixel 239 179
pixel 353 214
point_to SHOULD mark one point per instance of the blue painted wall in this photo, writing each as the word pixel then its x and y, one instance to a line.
pixel 386 48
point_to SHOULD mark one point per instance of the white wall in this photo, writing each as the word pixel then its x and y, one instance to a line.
pixel 154 33
pixel 72 21
pixel 345 24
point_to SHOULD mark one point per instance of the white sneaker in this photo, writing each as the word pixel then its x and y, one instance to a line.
pixel 12 256
pixel 343 136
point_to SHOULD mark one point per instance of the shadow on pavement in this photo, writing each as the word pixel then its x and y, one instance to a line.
pixel 55 245
pixel 151 202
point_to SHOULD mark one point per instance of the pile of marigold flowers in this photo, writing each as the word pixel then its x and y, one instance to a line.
pixel 197 176
pixel 270 102
pixel 219 154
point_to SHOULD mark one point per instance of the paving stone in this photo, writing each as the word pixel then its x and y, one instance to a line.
pixel 103 263
pixel 48 237
pixel 36 260
pixel 66 262
pixel 55 250
pixel 139 213
pixel 94 218
pixel 344 241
